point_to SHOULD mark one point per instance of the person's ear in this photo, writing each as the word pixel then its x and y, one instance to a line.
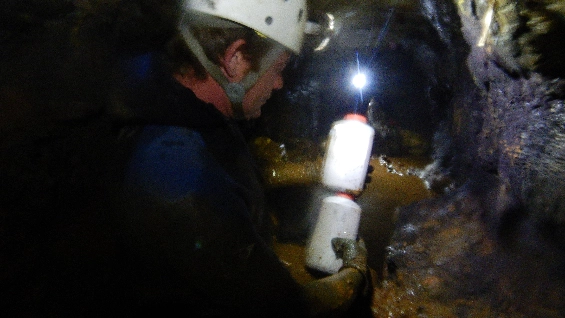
pixel 233 63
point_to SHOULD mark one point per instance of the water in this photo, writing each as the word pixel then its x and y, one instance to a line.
pixel 392 185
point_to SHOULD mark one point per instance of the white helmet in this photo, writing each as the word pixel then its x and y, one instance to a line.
pixel 283 21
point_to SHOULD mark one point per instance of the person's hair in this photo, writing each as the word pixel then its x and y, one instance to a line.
pixel 214 41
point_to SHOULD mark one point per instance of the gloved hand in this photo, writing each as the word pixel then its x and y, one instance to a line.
pixel 354 255
pixel 333 295
pixel 352 252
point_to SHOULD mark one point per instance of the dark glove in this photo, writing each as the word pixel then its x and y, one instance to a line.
pixel 354 255
pixel 352 252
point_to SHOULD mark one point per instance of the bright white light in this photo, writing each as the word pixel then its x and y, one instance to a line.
pixel 359 80
pixel 486 26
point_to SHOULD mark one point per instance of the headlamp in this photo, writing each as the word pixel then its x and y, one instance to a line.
pixel 359 80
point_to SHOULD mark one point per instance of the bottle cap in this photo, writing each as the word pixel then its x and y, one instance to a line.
pixel 358 117
pixel 345 195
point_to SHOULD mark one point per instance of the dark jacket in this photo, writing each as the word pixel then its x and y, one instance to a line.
pixel 192 208
pixel 155 212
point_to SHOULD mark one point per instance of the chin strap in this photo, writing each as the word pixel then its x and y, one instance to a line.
pixel 234 91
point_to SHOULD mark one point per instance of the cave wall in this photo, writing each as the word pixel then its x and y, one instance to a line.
pixel 492 244
pixel 522 88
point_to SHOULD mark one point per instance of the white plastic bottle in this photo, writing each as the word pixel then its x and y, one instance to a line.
pixel 339 217
pixel 348 154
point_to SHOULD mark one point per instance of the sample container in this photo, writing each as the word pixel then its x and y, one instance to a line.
pixel 348 153
pixel 339 217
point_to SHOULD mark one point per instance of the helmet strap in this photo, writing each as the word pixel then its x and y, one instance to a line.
pixel 234 91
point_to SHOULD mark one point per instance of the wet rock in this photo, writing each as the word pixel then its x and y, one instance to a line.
pixel 450 258
pixel 493 244
pixel 521 36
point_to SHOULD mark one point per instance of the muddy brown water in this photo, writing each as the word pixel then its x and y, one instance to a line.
pixel 392 185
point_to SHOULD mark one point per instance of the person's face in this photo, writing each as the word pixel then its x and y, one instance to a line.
pixel 258 95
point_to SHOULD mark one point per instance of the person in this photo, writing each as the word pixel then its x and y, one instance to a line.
pixel 191 204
